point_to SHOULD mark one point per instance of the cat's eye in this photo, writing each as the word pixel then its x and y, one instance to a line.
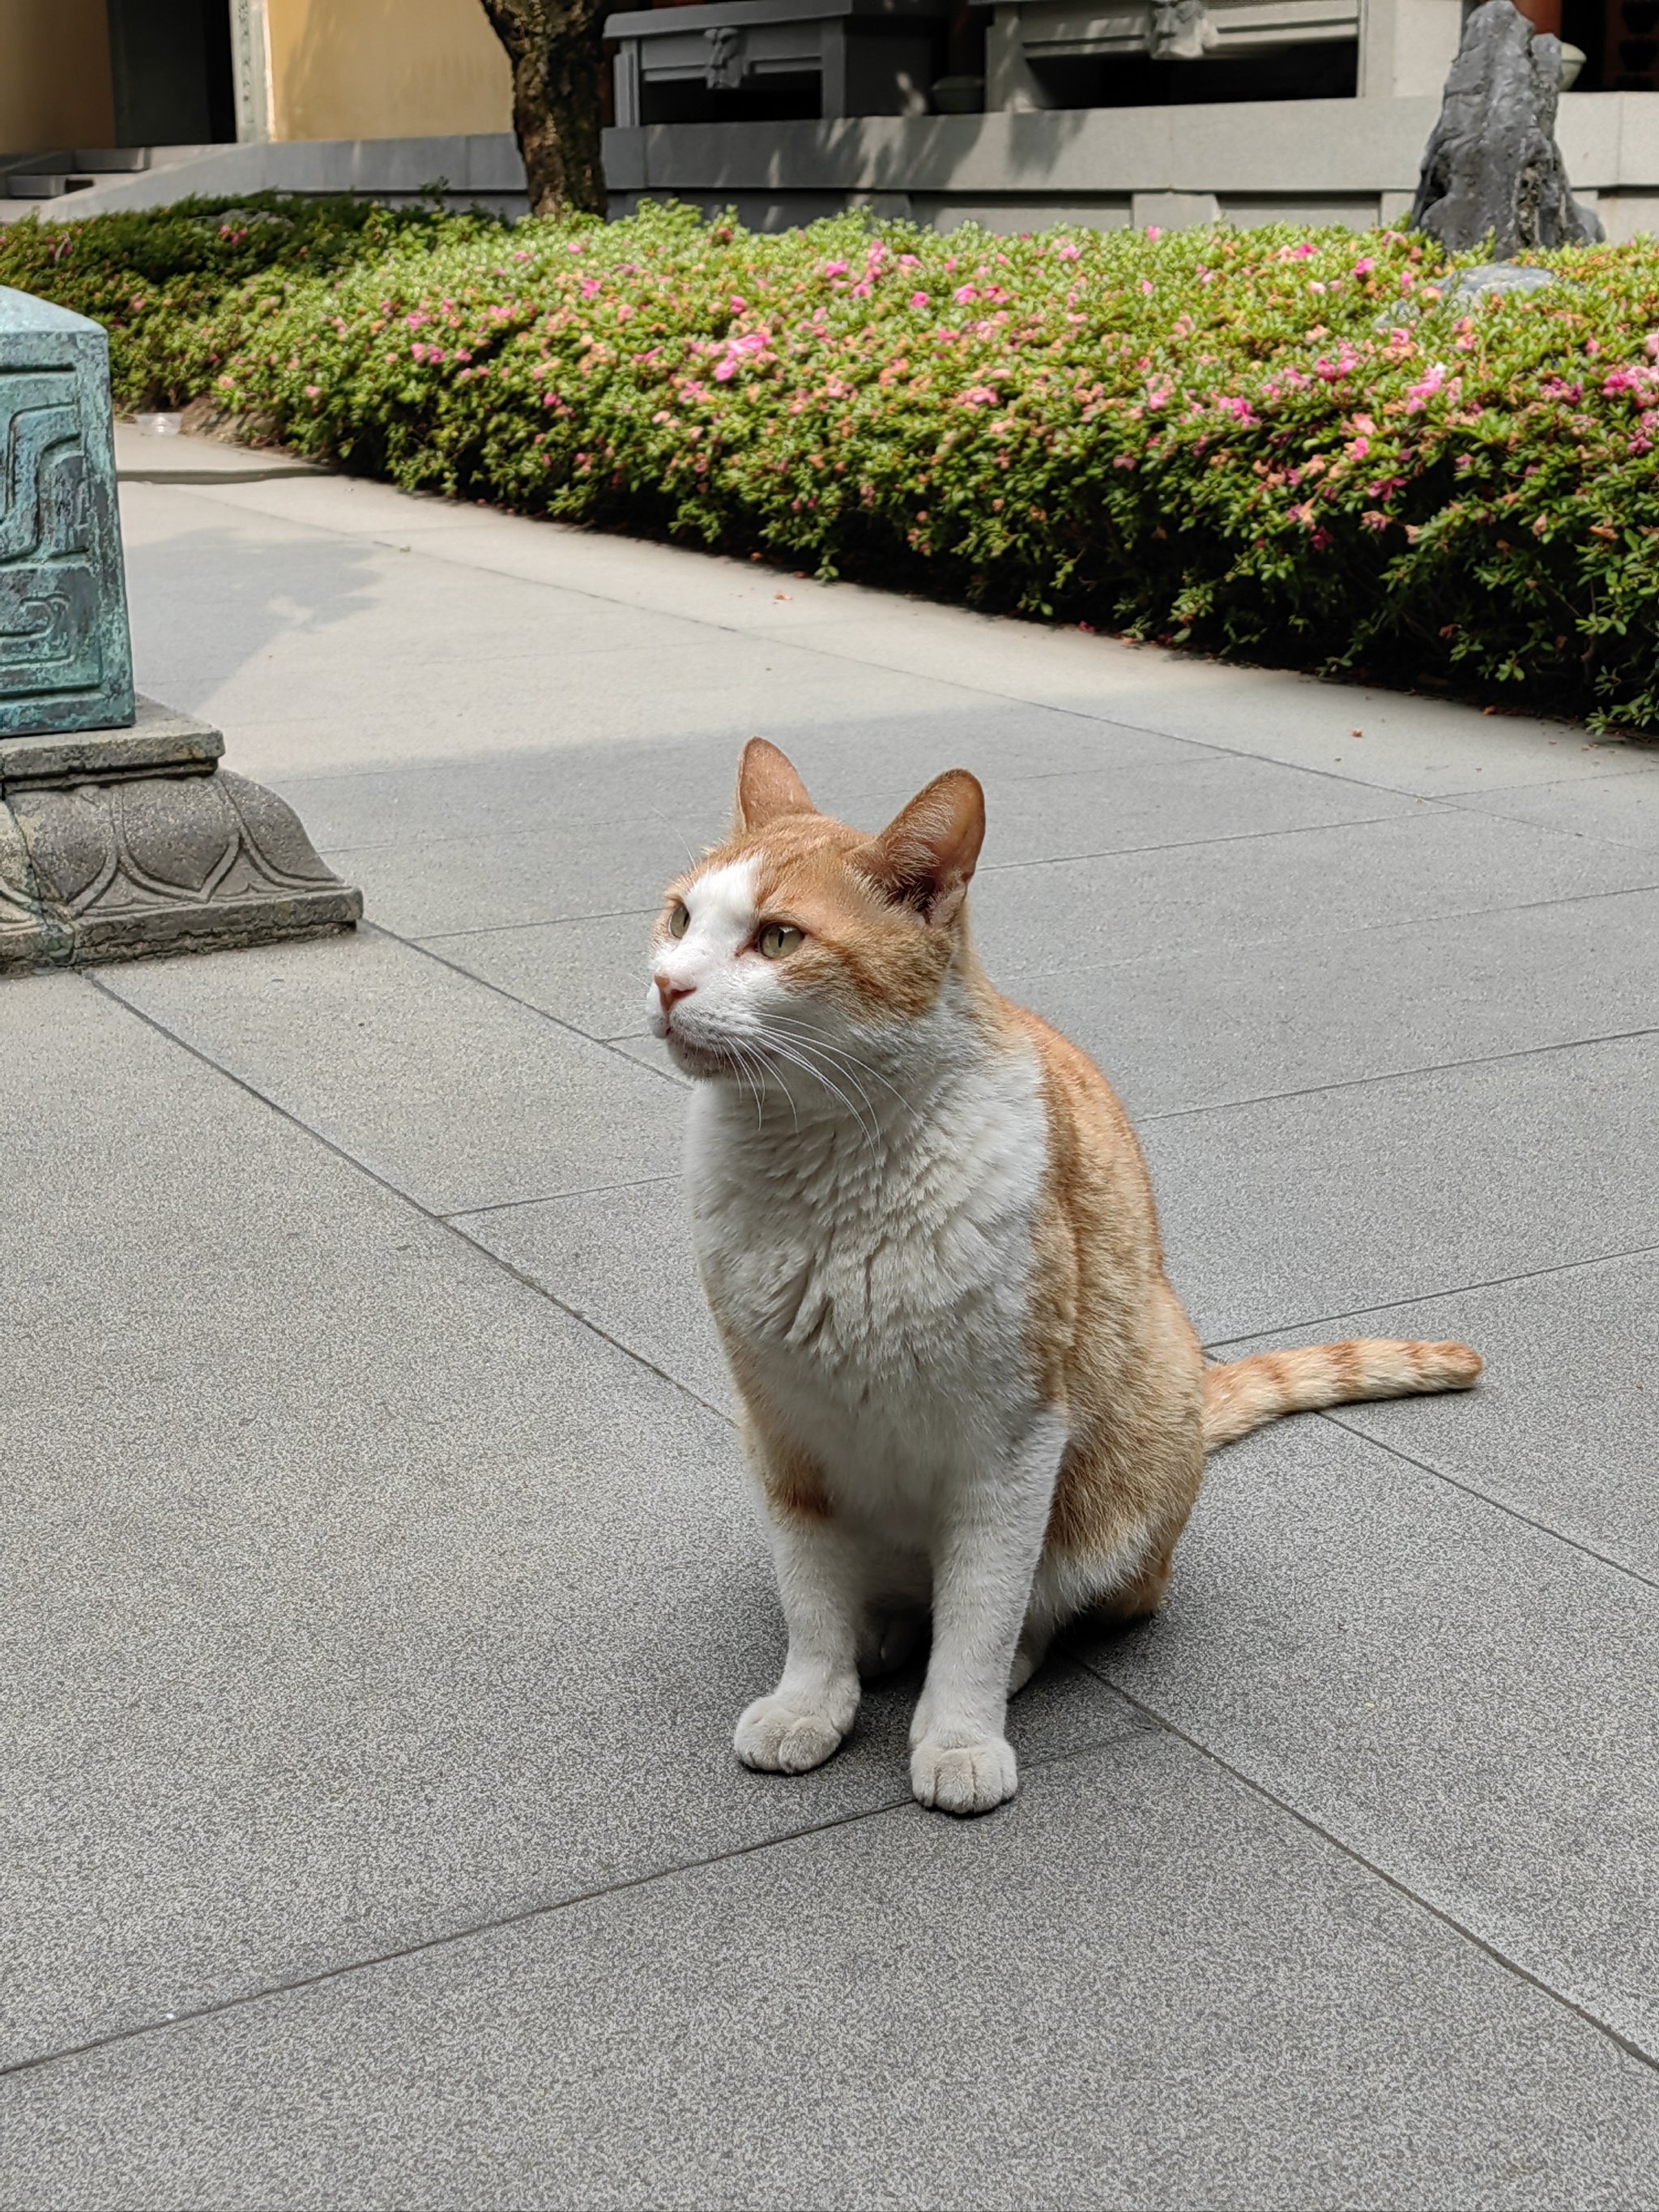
pixel 777 941
pixel 679 918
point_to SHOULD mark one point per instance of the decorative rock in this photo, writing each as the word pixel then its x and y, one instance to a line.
pixel 148 849
pixel 65 663
pixel 1507 277
pixel 1491 167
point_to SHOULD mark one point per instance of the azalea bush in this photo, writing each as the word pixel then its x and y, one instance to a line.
pixel 167 282
pixel 1298 447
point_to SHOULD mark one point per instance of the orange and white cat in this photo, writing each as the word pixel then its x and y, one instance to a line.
pixel 928 1235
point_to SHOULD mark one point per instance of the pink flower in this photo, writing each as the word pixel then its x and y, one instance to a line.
pixel 1358 447
pixel 1068 252
pixel 1433 380
pixel 1146 283
pixel 313 392
pixel 962 293
pixel 834 269
pixel 590 286
pixel 978 395
pixel 1153 232
pixel 1363 266
pixel 919 299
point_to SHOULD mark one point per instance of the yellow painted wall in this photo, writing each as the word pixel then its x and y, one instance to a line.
pixel 384 69
pixel 54 76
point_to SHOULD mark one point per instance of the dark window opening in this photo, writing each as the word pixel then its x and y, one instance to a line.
pixel 1311 72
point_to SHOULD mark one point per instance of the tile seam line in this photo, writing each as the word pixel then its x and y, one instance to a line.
pixel 1490 1498
pixel 1203 948
pixel 473 1931
pixel 555 1197
pixel 1010 698
pixel 1395 1075
pixel 426 947
pixel 1357 1857
pixel 1461 799
pixel 1197 844
pixel 424 951
pixel 1428 1297
pixel 439 1221
pixel 1171 1114
pixel 991 868
pixel 505 928
pixel 502 1923
pixel 1020 976
pixel 859 660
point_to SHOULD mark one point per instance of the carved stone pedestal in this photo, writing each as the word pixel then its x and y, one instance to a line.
pixel 119 835
pixel 120 843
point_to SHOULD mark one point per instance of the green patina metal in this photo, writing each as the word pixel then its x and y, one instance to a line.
pixel 65 653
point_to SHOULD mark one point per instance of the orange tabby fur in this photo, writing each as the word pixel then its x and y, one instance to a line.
pixel 1108 1353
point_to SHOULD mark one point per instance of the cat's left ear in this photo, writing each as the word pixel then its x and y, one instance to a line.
pixel 767 787
pixel 925 858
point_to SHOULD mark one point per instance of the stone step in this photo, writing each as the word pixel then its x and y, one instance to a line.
pixel 104 160
pixel 46 185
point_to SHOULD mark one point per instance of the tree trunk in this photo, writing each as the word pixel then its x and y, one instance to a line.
pixel 557 48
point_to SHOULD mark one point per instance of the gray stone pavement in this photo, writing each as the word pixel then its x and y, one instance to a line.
pixel 379 1582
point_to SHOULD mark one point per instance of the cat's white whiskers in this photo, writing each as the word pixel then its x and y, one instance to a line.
pixel 868 1130
pixel 746 1069
pixel 799 1031
pixel 804 1049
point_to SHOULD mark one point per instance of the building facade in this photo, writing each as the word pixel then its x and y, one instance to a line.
pixel 1008 112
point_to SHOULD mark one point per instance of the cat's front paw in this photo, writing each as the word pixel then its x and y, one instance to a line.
pixel 964 1778
pixel 778 1737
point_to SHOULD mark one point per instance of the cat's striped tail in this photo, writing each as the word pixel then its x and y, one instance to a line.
pixel 1246 1394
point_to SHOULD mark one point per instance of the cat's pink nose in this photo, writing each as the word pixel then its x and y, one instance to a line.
pixel 671 993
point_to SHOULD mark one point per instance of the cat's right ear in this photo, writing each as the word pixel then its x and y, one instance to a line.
pixel 767 787
pixel 925 858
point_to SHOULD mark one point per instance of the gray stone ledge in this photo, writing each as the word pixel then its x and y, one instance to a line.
pixel 159 738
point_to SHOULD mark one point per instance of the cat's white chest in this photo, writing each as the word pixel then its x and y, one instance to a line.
pixel 879 1287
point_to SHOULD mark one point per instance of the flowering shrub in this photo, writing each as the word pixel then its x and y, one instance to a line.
pixel 1298 447
pixel 167 282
